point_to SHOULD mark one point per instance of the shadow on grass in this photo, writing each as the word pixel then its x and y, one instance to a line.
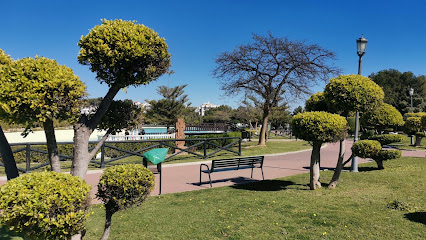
pixel 6 234
pixel 419 217
pixel 266 185
pixel 364 169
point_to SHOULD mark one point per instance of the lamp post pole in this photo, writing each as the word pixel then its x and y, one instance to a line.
pixel 411 92
pixel 361 45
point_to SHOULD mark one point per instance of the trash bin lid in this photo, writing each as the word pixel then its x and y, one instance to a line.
pixel 156 155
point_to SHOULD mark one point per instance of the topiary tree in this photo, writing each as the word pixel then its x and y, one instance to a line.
pixel 373 149
pixel 40 90
pixel 318 128
pixel 386 116
pixel 386 139
pixel 413 126
pixel 316 102
pixel 45 205
pixel 121 187
pixel 122 54
pixel 351 93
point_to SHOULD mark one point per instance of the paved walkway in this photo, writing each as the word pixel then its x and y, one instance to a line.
pixel 185 176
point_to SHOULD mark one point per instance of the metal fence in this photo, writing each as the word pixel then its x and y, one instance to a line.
pixel 203 144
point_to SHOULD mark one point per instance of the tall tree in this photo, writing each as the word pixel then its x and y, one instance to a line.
pixel 41 90
pixel 170 108
pixel 345 94
pixel 122 54
pixel 270 68
pixel 5 150
pixel 221 114
pixel 396 86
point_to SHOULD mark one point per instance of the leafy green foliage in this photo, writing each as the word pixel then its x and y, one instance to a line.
pixel 383 117
pixel 366 148
pixel 383 155
pixel 412 124
pixel 396 86
pixel 316 102
pixel 386 139
pixel 353 93
pixel 123 186
pixel 120 115
pixel 34 90
pixel 45 205
pixel 372 149
pixel 221 114
pixel 124 53
pixel 170 108
pixel 4 58
pixel 319 127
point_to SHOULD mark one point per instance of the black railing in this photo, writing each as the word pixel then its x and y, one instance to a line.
pixel 120 153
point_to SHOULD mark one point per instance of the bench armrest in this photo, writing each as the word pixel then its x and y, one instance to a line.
pixel 201 166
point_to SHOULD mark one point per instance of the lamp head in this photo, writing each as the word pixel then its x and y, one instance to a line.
pixel 361 45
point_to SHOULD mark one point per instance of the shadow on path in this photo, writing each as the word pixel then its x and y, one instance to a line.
pixel 419 217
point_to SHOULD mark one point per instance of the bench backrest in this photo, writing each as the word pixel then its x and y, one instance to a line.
pixel 237 162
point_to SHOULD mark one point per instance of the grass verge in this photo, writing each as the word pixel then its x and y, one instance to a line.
pixel 371 204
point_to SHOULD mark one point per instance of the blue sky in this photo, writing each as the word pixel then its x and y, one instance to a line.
pixel 197 31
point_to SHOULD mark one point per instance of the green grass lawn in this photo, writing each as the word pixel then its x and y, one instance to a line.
pixel 361 207
pixel 247 149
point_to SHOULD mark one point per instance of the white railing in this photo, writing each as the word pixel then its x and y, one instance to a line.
pixel 137 137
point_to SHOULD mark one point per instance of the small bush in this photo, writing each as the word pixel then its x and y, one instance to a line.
pixel 366 148
pixel 45 205
pixel 386 139
pixel 123 186
pixel 384 155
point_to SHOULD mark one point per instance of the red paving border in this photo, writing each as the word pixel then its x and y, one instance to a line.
pixel 185 177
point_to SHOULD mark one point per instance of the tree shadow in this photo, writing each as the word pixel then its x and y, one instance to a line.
pixel 265 185
pixel 363 169
pixel 419 217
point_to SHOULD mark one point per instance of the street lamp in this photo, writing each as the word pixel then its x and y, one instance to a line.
pixel 361 46
pixel 411 92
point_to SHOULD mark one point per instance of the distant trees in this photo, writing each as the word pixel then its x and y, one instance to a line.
pixel 396 86
pixel 270 67
pixel 122 54
pixel 221 114
pixel 168 109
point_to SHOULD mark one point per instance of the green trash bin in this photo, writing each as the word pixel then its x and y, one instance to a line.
pixel 156 156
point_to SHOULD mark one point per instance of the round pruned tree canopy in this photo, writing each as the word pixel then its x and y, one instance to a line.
pixel 316 102
pixel 124 53
pixel 319 127
pixel 385 116
pixel 348 93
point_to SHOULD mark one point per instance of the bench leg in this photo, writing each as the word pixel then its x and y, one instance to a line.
pixel 210 181
pixel 263 177
pixel 251 172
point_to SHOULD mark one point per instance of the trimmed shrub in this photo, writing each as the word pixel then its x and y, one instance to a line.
pixel 386 139
pixel 384 155
pixel 383 117
pixel 45 205
pixel 319 127
pixel 366 148
pixel 316 102
pixel 417 114
pixel 123 186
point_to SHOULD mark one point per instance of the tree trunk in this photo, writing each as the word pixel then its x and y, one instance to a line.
pixel 418 141
pixel 107 228
pixel 81 159
pixel 262 135
pixel 7 157
pixel 52 146
pixel 82 131
pixel 380 164
pixel 314 168
pixel 339 166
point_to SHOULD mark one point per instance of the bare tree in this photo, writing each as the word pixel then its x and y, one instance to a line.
pixel 271 68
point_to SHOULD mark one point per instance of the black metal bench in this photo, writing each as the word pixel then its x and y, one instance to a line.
pixel 233 164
